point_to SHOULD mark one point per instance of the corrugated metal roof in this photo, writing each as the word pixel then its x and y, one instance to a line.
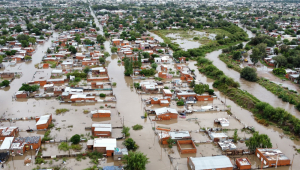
pixel 212 162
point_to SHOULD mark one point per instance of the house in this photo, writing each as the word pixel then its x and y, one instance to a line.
pixel 43 122
pixel 101 130
pixel 216 137
pixel 210 163
pixel 100 113
pixel 167 93
pixel 56 73
pixel 21 94
pixel 8 132
pixel 104 145
pixel 6 144
pixel 176 135
pixel 161 101
pixel 20 144
pixel 270 156
pixel 243 163
pixel 186 146
pixel 7 75
pixel 186 95
pixel 166 113
pixel 119 153
pixel 227 145
pixel 222 121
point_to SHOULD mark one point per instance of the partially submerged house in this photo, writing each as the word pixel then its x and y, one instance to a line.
pixel 103 145
pixel 222 121
pixel 176 135
pixel 43 122
pixel 20 144
pixel 101 130
pixel 216 137
pixel 210 163
pixel 243 163
pixel 166 113
pixel 8 132
pixel 270 156
pixel 100 113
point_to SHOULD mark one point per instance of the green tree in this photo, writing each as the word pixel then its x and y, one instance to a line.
pixel 236 55
pixel 100 39
pixel 72 49
pixel 280 60
pixel 1 59
pixel 114 49
pixel 130 144
pixel 32 40
pixel 102 60
pixel 4 83
pixel 201 88
pixel 154 65
pixel 135 161
pixel 258 141
pixel 75 139
pixel 255 56
pixel 48 51
pixel 235 136
pixel 128 67
pixel 86 69
pixel 27 57
pixel 106 54
pixel 249 74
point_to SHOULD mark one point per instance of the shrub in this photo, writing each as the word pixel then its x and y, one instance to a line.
pixel 210 91
pixel 249 74
pixel 114 84
pixel 196 38
pixel 285 98
pixel 4 83
pixel 180 103
pixel 137 127
pixel 75 139
pixel 130 144
pixel 126 131
pixel 102 95
pixel 59 111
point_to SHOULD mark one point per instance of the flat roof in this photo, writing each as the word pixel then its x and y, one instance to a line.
pixel 165 110
pixel 108 143
pixel 6 143
pixel 211 162
pixel 100 111
pixel 43 120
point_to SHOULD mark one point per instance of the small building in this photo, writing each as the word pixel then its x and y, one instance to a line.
pixel 176 135
pixel 8 132
pixel 216 137
pixel 243 163
pixel 186 146
pixel 167 93
pixel 20 144
pixel 227 145
pixel 166 113
pixel 21 94
pixel 7 75
pixel 43 122
pixel 100 113
pixel 222 121
pixel 270 156
pixel 5 146
pixel 119 153
pixel 105 145
pixel 56 73
pixel 101 130
pixel 113 168
pixel 210 163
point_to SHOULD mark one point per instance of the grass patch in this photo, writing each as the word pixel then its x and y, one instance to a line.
pixel 47 136
pixel 59 111
pixel 64 146
pixel 137 127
